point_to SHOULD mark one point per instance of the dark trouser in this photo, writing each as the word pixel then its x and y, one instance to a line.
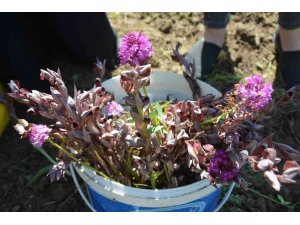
pixel 28 42
pixel 287 20
pixel 216 19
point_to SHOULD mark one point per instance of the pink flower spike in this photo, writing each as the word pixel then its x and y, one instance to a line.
pixel 222 168
pixel 38 134
pixel 135 49
pixel 255 92
pixel 114 109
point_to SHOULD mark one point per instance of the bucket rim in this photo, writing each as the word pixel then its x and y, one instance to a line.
pixel 145 197
pixel 177 81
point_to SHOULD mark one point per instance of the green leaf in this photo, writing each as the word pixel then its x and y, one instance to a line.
pixel 282 201
pixel 226 115
pixel 44 153
pixel 19 168
pixel 38 174
pixel 155 129
pixel 167 172
pixel 158 109
pixel 219 119
pixel 129 169
pixel 155 122
pixel 154 177
pixel 154 117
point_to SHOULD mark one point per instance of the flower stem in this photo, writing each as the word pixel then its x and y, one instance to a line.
pixel 44 153
pixel 162 122
pixel 141 113
pixel 158 138
pixel 268 198
pixel 222 116
pixel 145 91
pixel 72 157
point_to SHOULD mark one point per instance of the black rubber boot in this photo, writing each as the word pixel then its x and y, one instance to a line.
pixel 290 68
pixel 209 58
pixel 288 65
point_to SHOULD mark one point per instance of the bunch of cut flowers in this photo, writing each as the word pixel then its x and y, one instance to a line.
pixel 161 144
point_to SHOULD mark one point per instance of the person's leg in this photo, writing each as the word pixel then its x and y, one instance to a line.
pixel 215 27
pixel 289 33
pixel 214 37
pixel 87 35
pixel 290 39
pixel 21 53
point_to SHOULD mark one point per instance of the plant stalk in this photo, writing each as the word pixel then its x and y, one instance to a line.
pixel 72 157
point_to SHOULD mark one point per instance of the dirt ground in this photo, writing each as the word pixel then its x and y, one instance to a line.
pixel 249 50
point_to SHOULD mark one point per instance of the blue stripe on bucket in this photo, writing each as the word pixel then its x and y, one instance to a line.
pixel 103 204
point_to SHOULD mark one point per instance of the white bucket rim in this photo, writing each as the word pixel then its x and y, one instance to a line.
pixel 172 82
pixel 145 197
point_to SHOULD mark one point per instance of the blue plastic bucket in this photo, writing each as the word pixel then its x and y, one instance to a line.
pixel 106 195
pixel 109 196
pixel 205 204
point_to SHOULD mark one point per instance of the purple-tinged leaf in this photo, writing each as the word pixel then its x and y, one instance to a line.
pixel 192 151
pixel 232 138
pixel 265 164
pixel 269 153
pixel 290 164
pixel 170 140
pixel 208 110
pixel 272 179
pixel 287 97
pixel 213 138
pixel 285 180
pixel 129 100
pixel 86 135
pixel 288 152
pixel 291 172
pixel 134 141
pixel 14 86
pixel 208 148
pixel 22 127
pixel 99 68
pixel 182 134
pixel 243 184
pixel 241 158
pixel 58 171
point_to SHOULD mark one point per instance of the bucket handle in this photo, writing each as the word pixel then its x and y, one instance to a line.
pixel 225 198
pixel 91 207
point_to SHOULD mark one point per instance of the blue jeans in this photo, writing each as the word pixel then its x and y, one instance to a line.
pixel 287 20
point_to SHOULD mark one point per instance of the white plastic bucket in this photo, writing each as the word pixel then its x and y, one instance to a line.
pixel 107 195
pixel 162 84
